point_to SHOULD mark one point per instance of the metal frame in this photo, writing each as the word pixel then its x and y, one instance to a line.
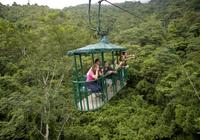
pixel 84 99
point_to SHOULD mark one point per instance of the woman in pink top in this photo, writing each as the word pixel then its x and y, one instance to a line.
pixel 93 74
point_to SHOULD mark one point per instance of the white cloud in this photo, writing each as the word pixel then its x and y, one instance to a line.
pixel 58 3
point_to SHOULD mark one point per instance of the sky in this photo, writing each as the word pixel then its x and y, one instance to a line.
pixel 59 4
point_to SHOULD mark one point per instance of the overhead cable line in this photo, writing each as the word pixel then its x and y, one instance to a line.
pixel 188 77
pixel 196 92
pixel 98 29
pixel 89 16
pixel 124 10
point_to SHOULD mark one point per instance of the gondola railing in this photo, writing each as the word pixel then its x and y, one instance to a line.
pixel 111 84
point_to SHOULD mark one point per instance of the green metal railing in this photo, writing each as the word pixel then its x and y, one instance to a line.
pixel 111 84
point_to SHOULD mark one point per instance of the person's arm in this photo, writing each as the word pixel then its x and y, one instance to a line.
pixel 119 65
pixel 111 70
pixel 100 72
pixel 95 76
pixel 130 57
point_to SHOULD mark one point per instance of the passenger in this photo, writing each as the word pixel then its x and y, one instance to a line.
pixel 124 57
pixel 109 71
pixel 98 62
pixel 93 74
pixel 123 63
pixel 118 64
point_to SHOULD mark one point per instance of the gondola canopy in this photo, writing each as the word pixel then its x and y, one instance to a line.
pixel 103 46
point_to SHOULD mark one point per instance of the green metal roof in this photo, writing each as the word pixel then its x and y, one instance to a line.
pixel 102 46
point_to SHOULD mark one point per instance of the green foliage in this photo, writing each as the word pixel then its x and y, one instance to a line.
pixel 161 100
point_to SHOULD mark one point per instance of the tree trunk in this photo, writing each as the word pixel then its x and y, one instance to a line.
pixel 47 132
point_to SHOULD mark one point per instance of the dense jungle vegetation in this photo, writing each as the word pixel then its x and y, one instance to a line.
pixel 161 100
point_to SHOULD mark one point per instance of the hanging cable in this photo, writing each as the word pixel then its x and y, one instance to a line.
pixel 196 92
pixel 89 16
pixel 124 10
pixel 99 19
pixel 188 77
pixel 98 29
pixel 186 74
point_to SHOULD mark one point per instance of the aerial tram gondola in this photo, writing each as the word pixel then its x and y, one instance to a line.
pixel 85 99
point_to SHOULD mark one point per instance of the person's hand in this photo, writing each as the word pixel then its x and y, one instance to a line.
pixel 97 68
pixel 109 72
pixel 100 72
pixel 114 72
pixel 121 63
